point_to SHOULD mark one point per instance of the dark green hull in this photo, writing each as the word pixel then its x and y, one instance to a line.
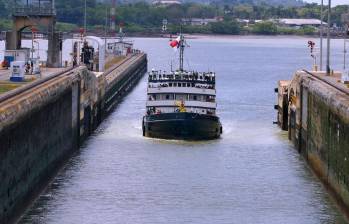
pixel 182 126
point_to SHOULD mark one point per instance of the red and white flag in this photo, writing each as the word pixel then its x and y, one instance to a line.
pixel 176 42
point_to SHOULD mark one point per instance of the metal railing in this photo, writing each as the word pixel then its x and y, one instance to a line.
pixel 34 11
pixel 334 84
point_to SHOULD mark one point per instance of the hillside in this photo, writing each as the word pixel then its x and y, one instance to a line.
pixel 143 17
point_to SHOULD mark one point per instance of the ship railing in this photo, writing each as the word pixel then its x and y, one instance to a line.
pixel 182 79
pixel 34 11
pixel 152 99
pixel 152 112
pixel 167 86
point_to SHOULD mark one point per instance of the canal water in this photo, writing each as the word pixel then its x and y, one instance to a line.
pixel 251 175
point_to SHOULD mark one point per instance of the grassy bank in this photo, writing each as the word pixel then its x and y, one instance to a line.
pixel 6 86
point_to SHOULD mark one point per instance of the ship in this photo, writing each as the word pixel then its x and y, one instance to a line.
pixel 181 105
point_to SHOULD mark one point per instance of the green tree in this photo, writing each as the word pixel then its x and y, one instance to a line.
pixel 267 28
pixel 225 27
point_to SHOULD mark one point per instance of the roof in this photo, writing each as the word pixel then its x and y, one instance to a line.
pixel 300 22
pixel 167 2
pixel 121 43
pixel 200 19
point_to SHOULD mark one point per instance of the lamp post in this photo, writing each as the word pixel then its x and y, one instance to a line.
pixel 38 51
pixel 328 68
pixel 321 33
pixel 106 27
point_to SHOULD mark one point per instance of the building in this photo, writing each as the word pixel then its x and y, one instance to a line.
pixel 298 23
pixel 34 8
pixel 244 22
pixel 166 2
pixel 120 48
pixel 201 21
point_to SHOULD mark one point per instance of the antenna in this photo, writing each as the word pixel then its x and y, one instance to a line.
pixel 181 47
pixel 181 53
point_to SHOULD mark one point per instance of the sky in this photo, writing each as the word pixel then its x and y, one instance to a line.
pixel 334 2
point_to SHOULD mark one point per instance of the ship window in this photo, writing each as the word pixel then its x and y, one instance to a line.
pixel 179 84
pixel 193 85
pixel 167 97
pixel 170 84
pixel 175 84
pixel 195 97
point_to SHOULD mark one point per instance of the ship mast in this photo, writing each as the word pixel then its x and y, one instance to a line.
pixel 181 54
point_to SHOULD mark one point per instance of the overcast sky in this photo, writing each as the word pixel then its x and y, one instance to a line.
pixel 334 2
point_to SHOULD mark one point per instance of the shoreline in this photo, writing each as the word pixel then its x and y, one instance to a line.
pixel 228 36
pixel 210 35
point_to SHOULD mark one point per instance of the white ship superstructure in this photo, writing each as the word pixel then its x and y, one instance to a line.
pixel 196 91
pixel 181 104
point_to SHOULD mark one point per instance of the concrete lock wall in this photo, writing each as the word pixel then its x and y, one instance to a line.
pixel 327 138
pixel 30 149
pixel 45 125
pixel 119 82
pixel 319 128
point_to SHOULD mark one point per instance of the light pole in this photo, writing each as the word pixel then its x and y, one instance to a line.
pixel 106 27
pixel 328 68
pixel 38 51
pixel 321 34
pixel 32 50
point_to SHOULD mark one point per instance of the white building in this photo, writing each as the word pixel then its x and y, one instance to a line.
pixel 120 48
pixel 167 2
pixel 297 23
pixel 200 21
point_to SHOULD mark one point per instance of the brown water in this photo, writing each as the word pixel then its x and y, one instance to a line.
pixel 251 175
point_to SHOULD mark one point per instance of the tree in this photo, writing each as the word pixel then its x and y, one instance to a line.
pixel 225 27
pixel 267 28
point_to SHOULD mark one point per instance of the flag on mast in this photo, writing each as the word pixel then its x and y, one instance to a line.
pixel 176 42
